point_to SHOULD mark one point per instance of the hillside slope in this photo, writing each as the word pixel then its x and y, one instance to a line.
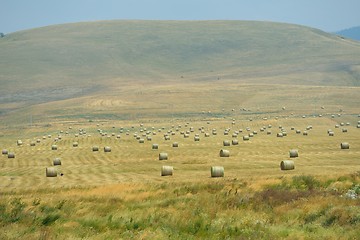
pixel 94 58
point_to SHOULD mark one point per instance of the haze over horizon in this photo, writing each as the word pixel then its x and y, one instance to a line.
pixel 333 16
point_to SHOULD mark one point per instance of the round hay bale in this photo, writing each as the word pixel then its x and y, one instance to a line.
pixel 344 130
pixel 235 142
pixel 196 138
pixel 11 155
pixel 57 161
pixel 175 144
pixel 208 134
pixel 141 140
pixel 38 140
pixel 268 132
pixel 54 147
pixel 148 138
pixel 345 145
pixel 337 126
pixel 217 171
pixel 155 146
pixel 32 144
pixel 226 133
pixel 246 138
pixel 294 153
pixel 226 143
pixel 95 148
pixel 51 172
pixel 163 156
pixel 107 149
pixel 224 153
pixel 279 135
pixel 234 135
pixel 251 135
pixel 287 165
pixel 284 134
pixel 167 170
pixel 298 131
pixel 331 134
pixel 4 151
pixel 358 126
pixel 167 137
pixel 19 142
pixel 305 133
pixel 75 144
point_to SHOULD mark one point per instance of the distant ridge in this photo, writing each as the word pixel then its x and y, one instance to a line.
pixel 353 33
pixel 81 59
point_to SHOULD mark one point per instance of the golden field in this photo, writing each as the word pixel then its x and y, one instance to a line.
pixel 150 78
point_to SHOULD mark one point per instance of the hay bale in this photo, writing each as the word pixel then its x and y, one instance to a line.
pixel 331 134
pixel 196 138
pixel 95 148
pixel 298 131
pixel 167 137
pixel 294 153
pixel 38 140
pixel 32 144
pixel 4 151
pixel 305 133
pixel 19 142
pixel 11 155
pixel 226 143
pixel 279 135
pixel 175 144
pixel 345 145
pixel 51 172
pixel 75 144
pixel 107 149
pixel 235 142
pixel 163 156
pixel 167 170
pixel 148 138
pixel 54 147
pixel 287 165
pixel 217 171
pixel 344 130
pixel 268 132
pixel 57 161
pixel 208 134
pixel 224 153
pixel 246 138
pixel 155 146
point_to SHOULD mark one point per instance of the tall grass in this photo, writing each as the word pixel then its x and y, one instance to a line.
pixel 298 207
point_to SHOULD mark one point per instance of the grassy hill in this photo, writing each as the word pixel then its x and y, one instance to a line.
pixel 123 64
pixel 128 84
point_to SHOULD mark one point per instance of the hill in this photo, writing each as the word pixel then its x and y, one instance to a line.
pixel 100 68
pixel 353 33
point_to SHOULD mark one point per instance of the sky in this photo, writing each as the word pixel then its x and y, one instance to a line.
pixel 327 15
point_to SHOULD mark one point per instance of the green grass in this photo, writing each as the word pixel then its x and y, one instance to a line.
pixel 184 211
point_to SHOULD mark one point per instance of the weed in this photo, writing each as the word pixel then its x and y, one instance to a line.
pixel 50 219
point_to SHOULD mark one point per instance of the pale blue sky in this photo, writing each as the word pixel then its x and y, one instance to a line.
pixel 327 15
